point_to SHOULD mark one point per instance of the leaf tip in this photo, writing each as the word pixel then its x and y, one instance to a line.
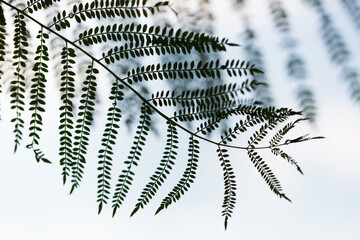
pixel 159 209
pixel 134 211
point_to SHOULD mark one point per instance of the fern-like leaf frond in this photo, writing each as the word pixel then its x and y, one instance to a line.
pixel 260 134
pixel 287 157
pixel 229 184
pixel 108 140
pixel 260 164
pixel 157 40
pixel 240 127
pixel 100 9
pixel 202 113
pixel 266 173
pixel 126 177
pixel 212 96
pixel 159 176
pixel 185 70
pixel 17 88
pixel 67 88
pixel 275 140
pixel 283 131
pixel 128 51
pixel 82 130
pixel 37 92
pixel 187 178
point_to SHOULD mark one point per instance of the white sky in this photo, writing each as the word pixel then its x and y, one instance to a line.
pixel 35 205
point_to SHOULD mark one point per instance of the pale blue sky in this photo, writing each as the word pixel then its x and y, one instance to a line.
pixel 35 205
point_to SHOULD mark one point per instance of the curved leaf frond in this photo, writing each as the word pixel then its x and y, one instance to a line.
pixel 187 178
pixel 266 173
pixel 82 129
pixel 275 140
pixel 126 177
pixel 108 140
pixel 283 131
pixel 164 169
pixel 260 164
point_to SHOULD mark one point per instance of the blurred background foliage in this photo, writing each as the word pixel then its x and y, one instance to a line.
pixel 203 14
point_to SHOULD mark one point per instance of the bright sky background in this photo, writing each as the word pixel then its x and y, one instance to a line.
pixel 35 206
